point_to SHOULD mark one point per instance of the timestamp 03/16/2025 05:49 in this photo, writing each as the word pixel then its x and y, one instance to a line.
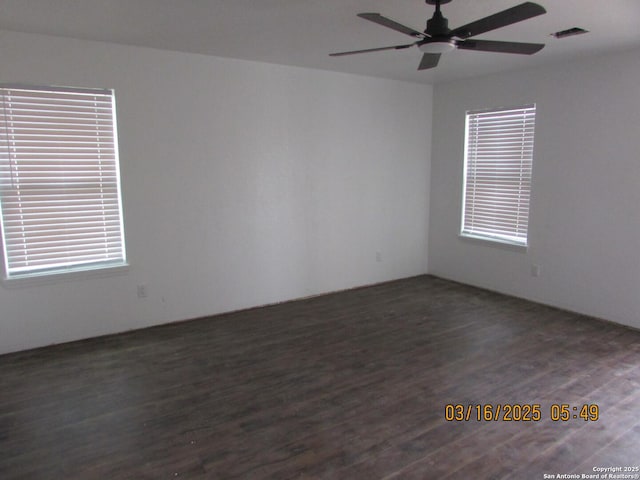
pixel 520 412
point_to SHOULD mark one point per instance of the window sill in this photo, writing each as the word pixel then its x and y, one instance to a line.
pixel 495 242
pixel 49 278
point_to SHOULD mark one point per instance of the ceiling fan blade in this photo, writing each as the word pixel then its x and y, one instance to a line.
pixel 353 52
pixel 429 60
pixel 512 15
pixel 502 47
pixel 387 22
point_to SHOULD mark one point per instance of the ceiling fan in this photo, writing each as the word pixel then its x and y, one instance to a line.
pixel 438 38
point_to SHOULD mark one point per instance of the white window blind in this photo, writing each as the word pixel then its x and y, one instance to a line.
pixel 497 177
pixel 59 181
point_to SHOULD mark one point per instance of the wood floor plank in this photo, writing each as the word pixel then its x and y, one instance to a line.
pixel 474 444
pixel 349 385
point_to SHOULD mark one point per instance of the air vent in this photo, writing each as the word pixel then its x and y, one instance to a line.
pixel 570 32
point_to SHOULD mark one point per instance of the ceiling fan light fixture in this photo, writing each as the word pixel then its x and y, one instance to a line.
pixel 438 46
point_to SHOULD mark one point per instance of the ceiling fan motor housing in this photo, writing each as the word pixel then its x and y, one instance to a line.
pixel 438 25
pixel 439 40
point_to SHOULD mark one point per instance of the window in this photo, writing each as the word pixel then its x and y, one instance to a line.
pixel 497 174
pixel 59 181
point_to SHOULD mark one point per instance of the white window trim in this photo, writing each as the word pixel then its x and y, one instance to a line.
pixel 511 241
pixel 77 269
pixel 60 277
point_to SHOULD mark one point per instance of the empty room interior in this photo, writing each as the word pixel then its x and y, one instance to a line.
pixel 259 239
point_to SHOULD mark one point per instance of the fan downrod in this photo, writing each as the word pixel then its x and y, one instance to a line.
pixel 438 25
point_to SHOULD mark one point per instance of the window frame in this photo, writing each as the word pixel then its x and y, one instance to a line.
pixel 515 241
pixel 54 271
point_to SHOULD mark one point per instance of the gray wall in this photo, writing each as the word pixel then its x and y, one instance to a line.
pixel 243 184
pixel 247 183
pixel 584 226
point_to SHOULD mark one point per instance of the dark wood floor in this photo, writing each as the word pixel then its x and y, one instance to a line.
pixel 351 385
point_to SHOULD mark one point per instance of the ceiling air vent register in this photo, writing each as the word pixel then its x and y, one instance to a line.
pixel 569 32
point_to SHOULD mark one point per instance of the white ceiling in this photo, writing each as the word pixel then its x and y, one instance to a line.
pixel 304 32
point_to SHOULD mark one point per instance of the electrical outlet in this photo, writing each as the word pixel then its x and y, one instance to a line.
pixel 142 291
pixel 536 270
pixel 378 256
